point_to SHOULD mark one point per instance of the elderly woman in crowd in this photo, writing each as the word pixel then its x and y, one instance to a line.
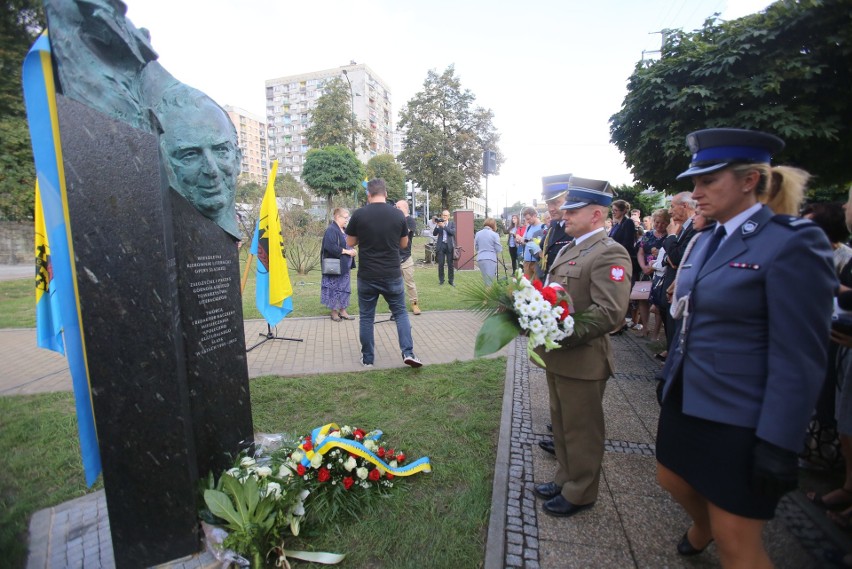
pixel 336 289
pixel 753 302
pixel 646 253
pixel 486 242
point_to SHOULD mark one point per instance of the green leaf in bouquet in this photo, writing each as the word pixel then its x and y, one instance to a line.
pixel 252 495
pixel 220 505
pixel 498 330
pixel 237 491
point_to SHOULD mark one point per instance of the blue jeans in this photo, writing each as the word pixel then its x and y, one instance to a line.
pixel 393 290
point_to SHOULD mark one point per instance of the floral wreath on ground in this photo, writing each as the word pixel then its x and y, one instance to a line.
pixel 545 313
pixel 265 497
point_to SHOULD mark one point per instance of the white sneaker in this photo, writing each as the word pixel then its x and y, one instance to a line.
pixel 412 361
pixel 363 364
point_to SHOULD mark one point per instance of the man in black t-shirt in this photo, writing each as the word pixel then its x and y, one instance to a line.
pixel 380 232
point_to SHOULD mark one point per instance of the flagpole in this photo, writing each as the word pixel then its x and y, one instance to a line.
pixel 246 273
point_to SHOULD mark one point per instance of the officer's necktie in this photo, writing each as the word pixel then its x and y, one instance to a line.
pixel 718 235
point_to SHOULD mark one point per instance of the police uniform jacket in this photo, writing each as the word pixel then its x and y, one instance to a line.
pixel 751 349
pixel 554 240
pixel 596 273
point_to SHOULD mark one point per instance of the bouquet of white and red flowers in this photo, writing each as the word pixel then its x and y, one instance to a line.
pixel 542 312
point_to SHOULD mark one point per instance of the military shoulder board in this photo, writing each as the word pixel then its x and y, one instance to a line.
pixel 792 221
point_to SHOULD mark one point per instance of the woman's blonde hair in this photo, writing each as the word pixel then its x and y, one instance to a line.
pixel 339 211
pixel 782 188
pixel 490 223
pixel 664 213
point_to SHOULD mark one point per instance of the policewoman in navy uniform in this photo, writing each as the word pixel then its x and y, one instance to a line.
pixel 753 303
pixel 595 270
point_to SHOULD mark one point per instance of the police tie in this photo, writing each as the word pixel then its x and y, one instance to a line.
pixel 718 235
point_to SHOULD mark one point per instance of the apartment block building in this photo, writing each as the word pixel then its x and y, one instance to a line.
pixel 251 132
pixel 291 100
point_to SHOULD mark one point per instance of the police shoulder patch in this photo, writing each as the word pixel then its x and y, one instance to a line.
pixel 792 221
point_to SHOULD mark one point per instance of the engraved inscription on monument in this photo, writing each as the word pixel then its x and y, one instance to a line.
pixel 211 286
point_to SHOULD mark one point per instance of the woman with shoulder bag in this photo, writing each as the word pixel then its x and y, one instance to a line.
pixel 336 288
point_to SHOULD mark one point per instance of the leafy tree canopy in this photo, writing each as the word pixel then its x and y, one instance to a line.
pixel 385 166
pixel 331 171
pixel 333 120
pixel 445 136
pixel 639 198
pixel 786 71
pixel 21 21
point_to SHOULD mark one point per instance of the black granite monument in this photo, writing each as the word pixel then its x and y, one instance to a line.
pixel 162 317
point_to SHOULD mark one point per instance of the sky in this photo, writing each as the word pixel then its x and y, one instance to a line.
pixel 552 71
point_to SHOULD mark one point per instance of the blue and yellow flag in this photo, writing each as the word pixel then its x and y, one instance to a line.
pixel 48 319
pixel 272 288
pixel 40 100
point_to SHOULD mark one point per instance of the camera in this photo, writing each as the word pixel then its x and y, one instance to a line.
pixel 438 219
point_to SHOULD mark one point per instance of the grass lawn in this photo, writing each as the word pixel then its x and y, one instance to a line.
pixel 450 413
pixel 17 300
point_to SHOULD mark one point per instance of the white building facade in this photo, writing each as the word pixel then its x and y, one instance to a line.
pixel 290 102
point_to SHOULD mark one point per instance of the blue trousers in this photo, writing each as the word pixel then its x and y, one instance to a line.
pixel 393 291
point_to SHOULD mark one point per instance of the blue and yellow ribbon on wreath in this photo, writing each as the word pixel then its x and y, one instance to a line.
pixel 356 448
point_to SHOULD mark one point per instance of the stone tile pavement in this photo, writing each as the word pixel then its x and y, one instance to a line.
pixel 634 524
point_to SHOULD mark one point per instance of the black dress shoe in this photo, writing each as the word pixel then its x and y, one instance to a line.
pixel 687 549
pixel 547 491
pixel 619 332
pixel 562 508
pixel 547 446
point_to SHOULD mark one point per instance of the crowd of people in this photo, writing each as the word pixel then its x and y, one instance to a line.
pixel 745 289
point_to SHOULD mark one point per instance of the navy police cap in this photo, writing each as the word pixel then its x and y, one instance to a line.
pixel 553 187
pixel 583 192
pixel 716 148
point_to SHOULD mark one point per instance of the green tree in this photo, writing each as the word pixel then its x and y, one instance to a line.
pixel 386 167
pixel 639 197
pixel 445 136
pixel 331 171
pixel 333 120
pixel 287 186
pixel 21 21
pixel 786 71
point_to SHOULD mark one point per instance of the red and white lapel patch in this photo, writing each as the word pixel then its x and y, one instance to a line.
pixel 616 273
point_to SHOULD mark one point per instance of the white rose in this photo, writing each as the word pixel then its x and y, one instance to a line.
pixel 371 445
pixel 247 461
pixel 393 464
pixel 297 456
pixel 349 464
pixel 316 460
pixel 284 471
pixel 346 430
pixel 273 489
pixel 362 473
pixel 264 471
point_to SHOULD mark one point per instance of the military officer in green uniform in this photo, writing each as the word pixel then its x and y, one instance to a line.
pixel 595 270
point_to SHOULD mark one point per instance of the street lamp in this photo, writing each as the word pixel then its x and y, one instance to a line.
pixel 352 107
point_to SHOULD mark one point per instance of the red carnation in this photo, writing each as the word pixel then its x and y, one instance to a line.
pixel 307 445
pixel 381 452
pixel 374 475
pixel 566 311
pixel 300 470
pixel 400 458
pixel 348 482
pixel 549 295
pixel 359 434
pixel 388 475
pixel 537 285
pixel 324 474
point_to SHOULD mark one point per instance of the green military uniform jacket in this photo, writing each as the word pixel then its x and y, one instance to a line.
pixel 596 273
